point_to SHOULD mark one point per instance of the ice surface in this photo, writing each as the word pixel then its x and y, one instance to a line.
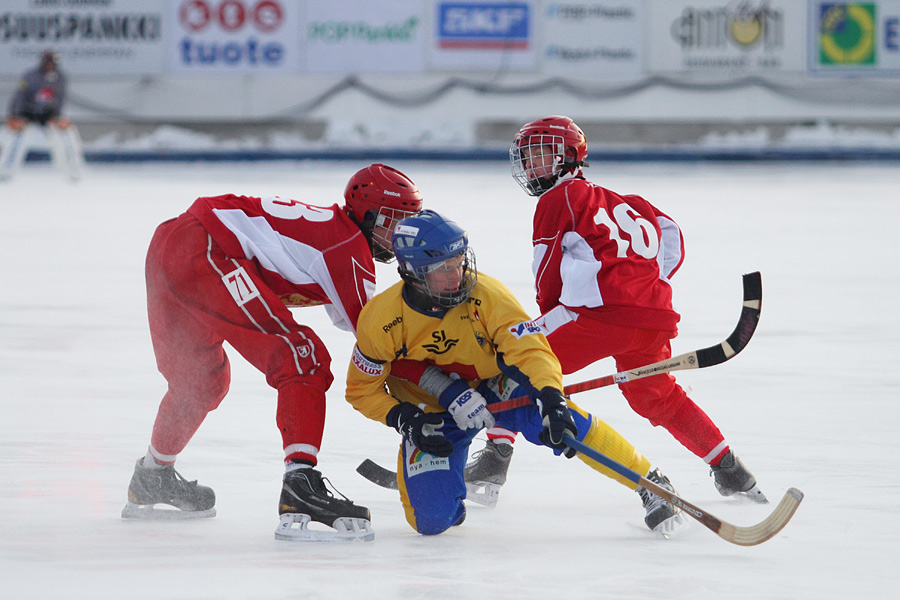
pixel 812 402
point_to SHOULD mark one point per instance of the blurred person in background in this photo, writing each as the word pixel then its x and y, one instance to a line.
pixel 38 101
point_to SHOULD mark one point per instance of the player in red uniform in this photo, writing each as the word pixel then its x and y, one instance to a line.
pixel 228 269
pixel 602 263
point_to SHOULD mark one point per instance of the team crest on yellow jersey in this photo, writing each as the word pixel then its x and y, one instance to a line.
pixel 479 337
pixel 441 343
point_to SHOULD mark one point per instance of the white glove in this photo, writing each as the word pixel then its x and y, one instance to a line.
pixel 467 406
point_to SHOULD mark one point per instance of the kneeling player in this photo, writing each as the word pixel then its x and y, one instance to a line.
pixel 466 343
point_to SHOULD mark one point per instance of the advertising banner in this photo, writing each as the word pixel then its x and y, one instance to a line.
pixel 482 35
pixel 92 37
pixel 233 36
pixel 361 36
pixel 855 37
pixel 726 37
pixel 591 38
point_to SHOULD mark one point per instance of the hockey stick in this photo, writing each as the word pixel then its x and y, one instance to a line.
pixel 378 474
pixel 742 536
pixel 698 359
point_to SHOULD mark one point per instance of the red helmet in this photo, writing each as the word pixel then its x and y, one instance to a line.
pixel 377 198
pixel 545 149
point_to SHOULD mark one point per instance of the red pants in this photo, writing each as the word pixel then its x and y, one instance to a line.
pixel 198 298
pixel 578 343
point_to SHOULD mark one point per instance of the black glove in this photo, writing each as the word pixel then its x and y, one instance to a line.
pixel 557 420
pixel 420 428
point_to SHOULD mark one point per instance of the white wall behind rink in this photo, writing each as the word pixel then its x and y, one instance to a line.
pixel 466 98
pixel 632 62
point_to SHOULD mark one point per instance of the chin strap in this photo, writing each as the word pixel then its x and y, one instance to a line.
pixel 565 176
pixel 379 253
pixel 419 300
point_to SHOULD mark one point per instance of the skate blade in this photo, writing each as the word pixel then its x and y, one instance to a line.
pixel 754 494
pixel 149 512
pixel 295 527
pixel 666 529
pixel 481 492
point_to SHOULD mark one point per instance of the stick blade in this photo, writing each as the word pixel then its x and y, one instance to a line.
pixel 767 528
pixel 746 326
pixel 378 474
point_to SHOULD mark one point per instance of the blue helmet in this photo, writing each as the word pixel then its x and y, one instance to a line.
pixel 433 255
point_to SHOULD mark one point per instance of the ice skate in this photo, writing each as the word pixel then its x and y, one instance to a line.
pixel 304 498
pixel 487 473
pixel 662 517
pixel 732 477
pixel 164 485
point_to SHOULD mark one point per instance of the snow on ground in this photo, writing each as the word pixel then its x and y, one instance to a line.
pixel 811 403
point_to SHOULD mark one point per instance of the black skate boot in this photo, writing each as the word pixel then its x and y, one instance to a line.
pixel 305 498
pixel 487 473
pixel 165 485
pixel 661 517
pixel 732 477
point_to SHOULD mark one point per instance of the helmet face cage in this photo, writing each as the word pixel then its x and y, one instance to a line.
pixel 448 282
pixel 537 161
pixel 544 150
pixel 382 229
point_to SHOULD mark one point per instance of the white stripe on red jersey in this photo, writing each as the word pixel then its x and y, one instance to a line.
pixel 605 256
pixel 307 254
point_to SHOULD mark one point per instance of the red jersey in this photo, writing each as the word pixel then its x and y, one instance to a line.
pixel 308 255
pixel 605 256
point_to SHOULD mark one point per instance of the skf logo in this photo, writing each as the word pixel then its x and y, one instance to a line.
pixel 365 364
pixel 484 26
pixel 847 33
pixel 442 343
pixel 526 328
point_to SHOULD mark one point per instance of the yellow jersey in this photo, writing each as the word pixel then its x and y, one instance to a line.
pixel 488 335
